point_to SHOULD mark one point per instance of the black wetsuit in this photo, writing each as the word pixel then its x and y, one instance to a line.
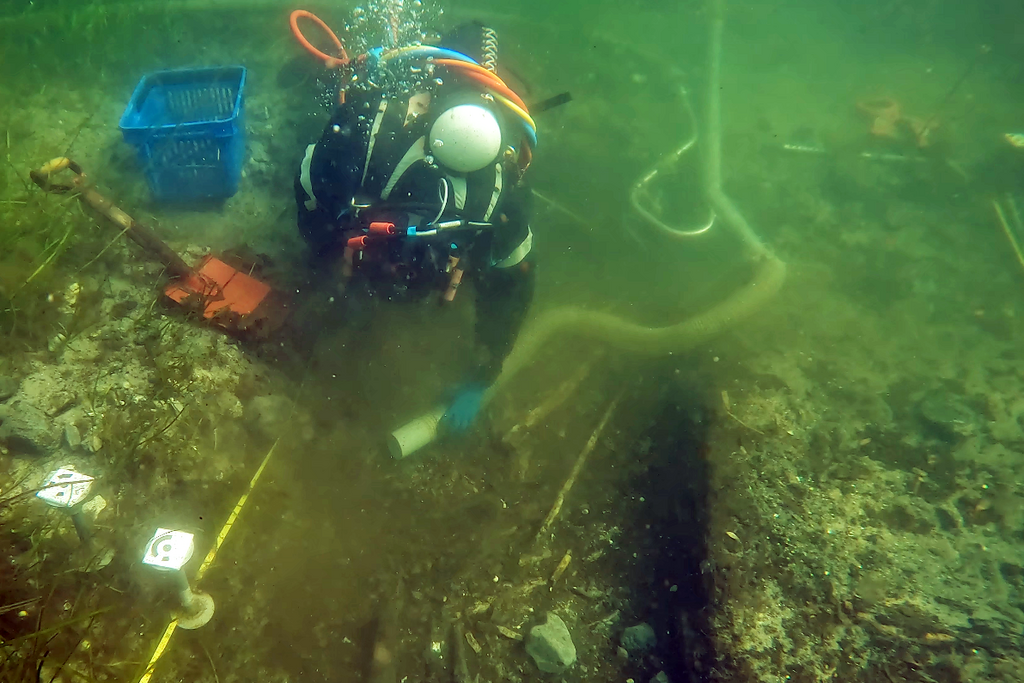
pixel 401 183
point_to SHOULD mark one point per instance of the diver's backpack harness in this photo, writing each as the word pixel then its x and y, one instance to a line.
pixel 374 239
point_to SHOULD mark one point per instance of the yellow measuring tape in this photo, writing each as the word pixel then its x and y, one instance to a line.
pixel 1007 230
pixel 165 639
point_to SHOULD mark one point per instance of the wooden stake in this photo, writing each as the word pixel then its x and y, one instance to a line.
pixel 554 400
pixel 581 460
pixel 562 566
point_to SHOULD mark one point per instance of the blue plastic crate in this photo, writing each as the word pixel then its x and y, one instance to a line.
pixel 188 130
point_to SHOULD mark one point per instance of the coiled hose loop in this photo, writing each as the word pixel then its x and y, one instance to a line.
pixel 490 49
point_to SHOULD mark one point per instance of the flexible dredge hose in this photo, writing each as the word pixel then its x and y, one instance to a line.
pixel 621 334
pixel 638 339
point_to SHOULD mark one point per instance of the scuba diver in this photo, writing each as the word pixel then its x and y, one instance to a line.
pixel 416 181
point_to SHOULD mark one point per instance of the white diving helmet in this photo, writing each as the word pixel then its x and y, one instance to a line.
pixel 465 138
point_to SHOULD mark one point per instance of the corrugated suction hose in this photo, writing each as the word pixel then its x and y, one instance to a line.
pixel 638 339
pixel 769 274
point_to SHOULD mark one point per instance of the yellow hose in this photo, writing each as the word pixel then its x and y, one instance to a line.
pixel 639 339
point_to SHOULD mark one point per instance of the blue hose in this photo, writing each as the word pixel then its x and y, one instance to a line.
pixel 429 51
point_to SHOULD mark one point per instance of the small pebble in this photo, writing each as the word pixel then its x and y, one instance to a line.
pixel 639 639
pixel 72 436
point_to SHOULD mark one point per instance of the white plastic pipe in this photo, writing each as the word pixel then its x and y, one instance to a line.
pixel 414 435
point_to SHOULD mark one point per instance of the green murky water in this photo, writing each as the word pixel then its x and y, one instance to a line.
pixel 789 443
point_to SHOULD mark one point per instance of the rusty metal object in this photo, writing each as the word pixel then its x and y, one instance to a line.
pixel 219 292
pixel 137 232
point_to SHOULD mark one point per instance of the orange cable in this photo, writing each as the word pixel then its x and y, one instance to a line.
pixel 331 62
pixel 490 80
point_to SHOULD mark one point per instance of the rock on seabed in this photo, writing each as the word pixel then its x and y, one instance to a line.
pixel 551 646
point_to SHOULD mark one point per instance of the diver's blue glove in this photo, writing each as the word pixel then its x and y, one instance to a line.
pixel 462 412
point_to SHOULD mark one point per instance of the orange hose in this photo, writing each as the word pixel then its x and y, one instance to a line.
pixel 486 78
pixel 331 62
pixel 471 67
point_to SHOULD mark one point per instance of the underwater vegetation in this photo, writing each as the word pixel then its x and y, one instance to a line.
pixel 829 491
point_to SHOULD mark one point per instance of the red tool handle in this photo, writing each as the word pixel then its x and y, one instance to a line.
pixel 357 243
pixel 382 228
